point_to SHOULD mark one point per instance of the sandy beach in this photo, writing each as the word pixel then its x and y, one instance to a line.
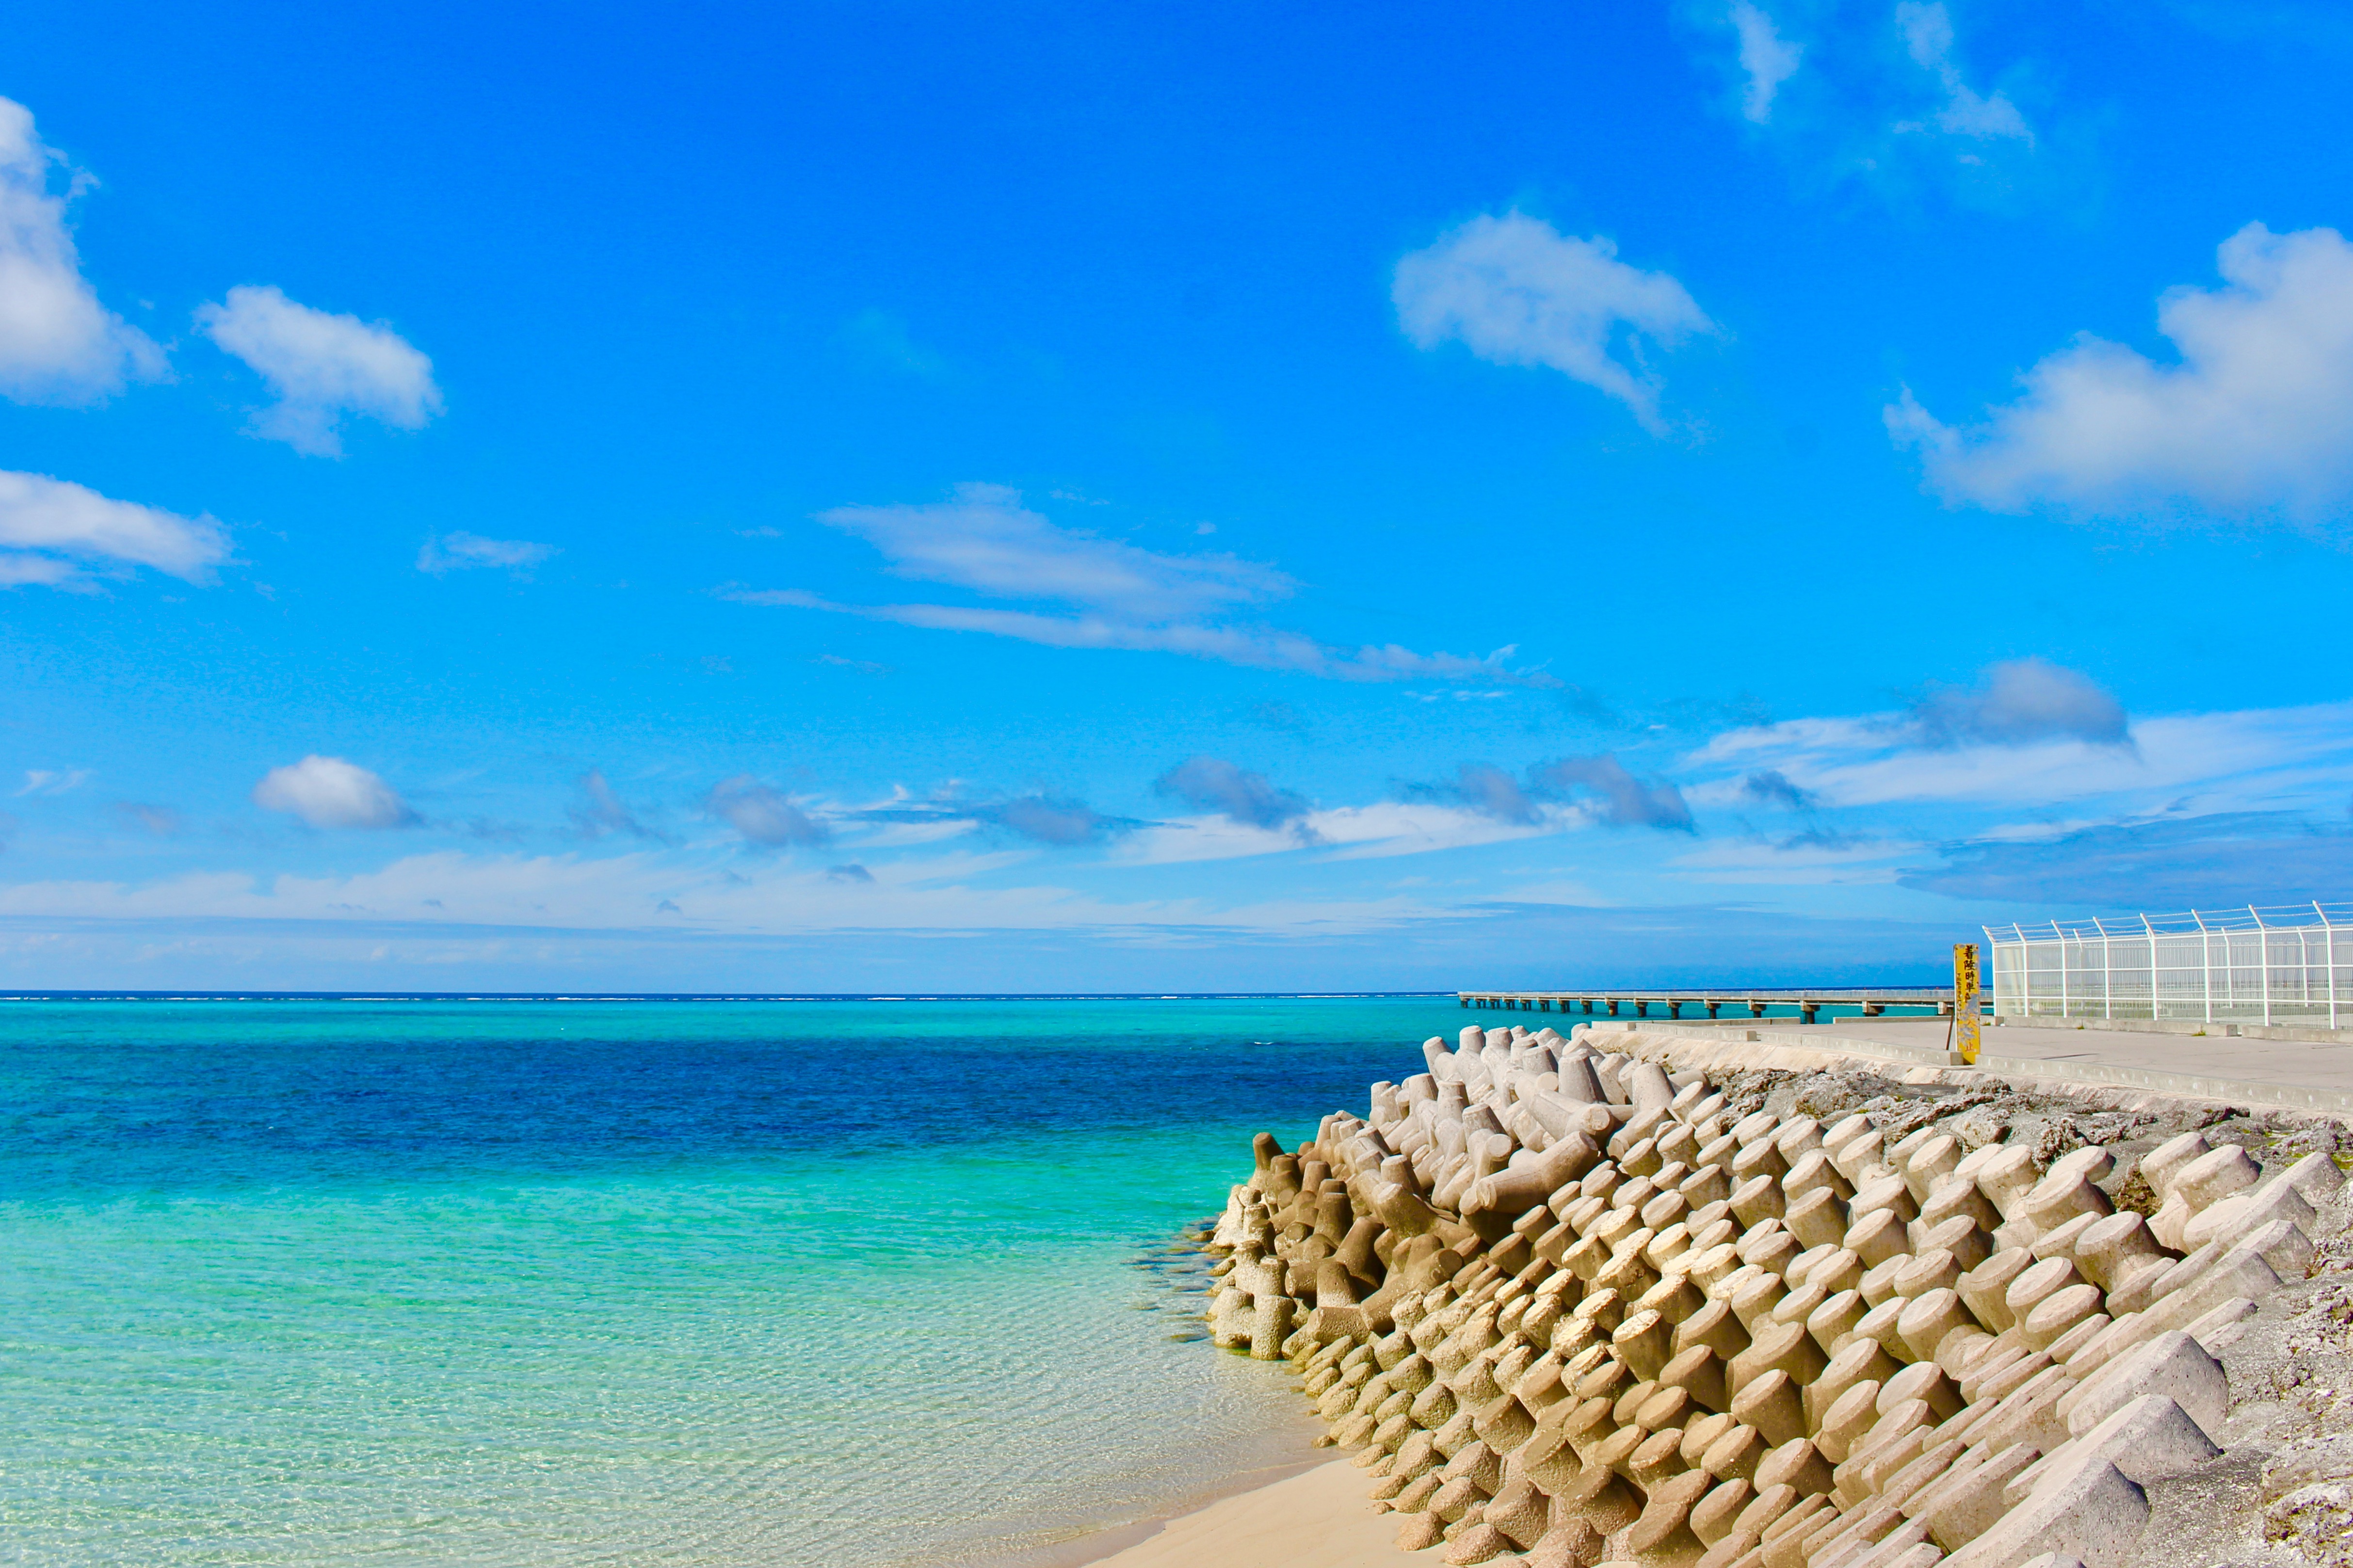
pixel 1317 1519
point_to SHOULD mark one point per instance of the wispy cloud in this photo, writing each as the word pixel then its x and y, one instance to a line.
pixel 55 532
pixel 984 539
pixel 1765 57
pixel 1770 787
pixel 321 367
pixel 1040 817
pixel 446 553
pixel 1885 98
pixel 1212 783
pixel 1514 290
pixel 1378 830
pixel 1606 790
pixel 1624 800
pixel 2257 416
pixel 161 821
pixel 1927 32
pixel 1811 859
pixel 2202 861
pixel 1054 819
pixel 1125 597
pixel 762 814
pixel 58 344
pixel 52 781
pixel 2225 759
pixel 600 811
pixel 619 892
pixel 1481 788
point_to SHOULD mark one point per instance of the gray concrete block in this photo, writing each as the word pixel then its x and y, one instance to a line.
pixel 2213 1176
pixel 2315 1176
pixel 2088 1510
pixel 2221 1326
pixel 1965 1507
pixel 2150 1438
pixel 2234 1217
pixel 2172 1364
pixel 2284 1244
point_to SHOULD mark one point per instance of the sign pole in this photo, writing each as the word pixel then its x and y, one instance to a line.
pixel 1966 1023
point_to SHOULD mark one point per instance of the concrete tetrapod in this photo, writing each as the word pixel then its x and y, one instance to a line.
pixel 1599 1307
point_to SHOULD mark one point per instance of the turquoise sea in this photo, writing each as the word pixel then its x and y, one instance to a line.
pixel 644 1281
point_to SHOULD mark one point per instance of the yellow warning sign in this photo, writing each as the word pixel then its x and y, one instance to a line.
pixel 1966 1036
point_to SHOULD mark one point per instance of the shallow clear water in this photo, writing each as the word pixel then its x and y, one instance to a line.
pixel 642 1282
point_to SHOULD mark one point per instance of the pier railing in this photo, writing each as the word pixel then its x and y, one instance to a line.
pixel 1807 1002
pixel 2279 964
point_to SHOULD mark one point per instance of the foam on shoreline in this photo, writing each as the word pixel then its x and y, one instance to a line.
pixel 1567 1308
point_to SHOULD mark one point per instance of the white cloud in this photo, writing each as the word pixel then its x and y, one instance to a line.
pixel 52 781
pixel 321 367
pixel 1127 597
pixel 1928 34
pixel 38 572
pixel 1254 647
pixel 762 814
pixel 2022 700
pixel 1768 60
pixel 58 344
pixel 328 792
pixel 71 527
pixel 1213 784
pixel 2256 758
pixel 1381 829
pixel 448 552
pixel 620 893
pixel 2257 416
pixel 601 810
pixel 1516 290
pixel 1804 860
pixel 986 539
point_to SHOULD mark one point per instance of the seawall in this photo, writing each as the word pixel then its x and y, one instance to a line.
pixel 1674 1298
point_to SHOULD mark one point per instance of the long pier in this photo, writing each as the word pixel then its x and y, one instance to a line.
pixel 1871 1002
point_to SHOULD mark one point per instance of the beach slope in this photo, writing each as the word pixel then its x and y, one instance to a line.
pixel 1317 1519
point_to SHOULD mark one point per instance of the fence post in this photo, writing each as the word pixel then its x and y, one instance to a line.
pixel 2066 1003
pixel 2108 975
pixel 2205 962
pixel 2330 926
pixel 2264 956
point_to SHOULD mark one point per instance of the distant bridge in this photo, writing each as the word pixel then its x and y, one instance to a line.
pixel 1807 1002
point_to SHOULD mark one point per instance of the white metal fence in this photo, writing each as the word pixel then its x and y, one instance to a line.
pixel 2273 965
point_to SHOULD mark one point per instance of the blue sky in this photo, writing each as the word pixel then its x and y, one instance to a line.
pixel 892 496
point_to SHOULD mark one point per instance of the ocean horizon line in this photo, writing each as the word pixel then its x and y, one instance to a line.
pixel 341 995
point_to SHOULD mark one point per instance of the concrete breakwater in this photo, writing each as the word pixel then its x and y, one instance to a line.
pixel 1571 1307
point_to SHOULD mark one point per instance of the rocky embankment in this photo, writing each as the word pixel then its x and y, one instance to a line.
pixel 1628 1306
